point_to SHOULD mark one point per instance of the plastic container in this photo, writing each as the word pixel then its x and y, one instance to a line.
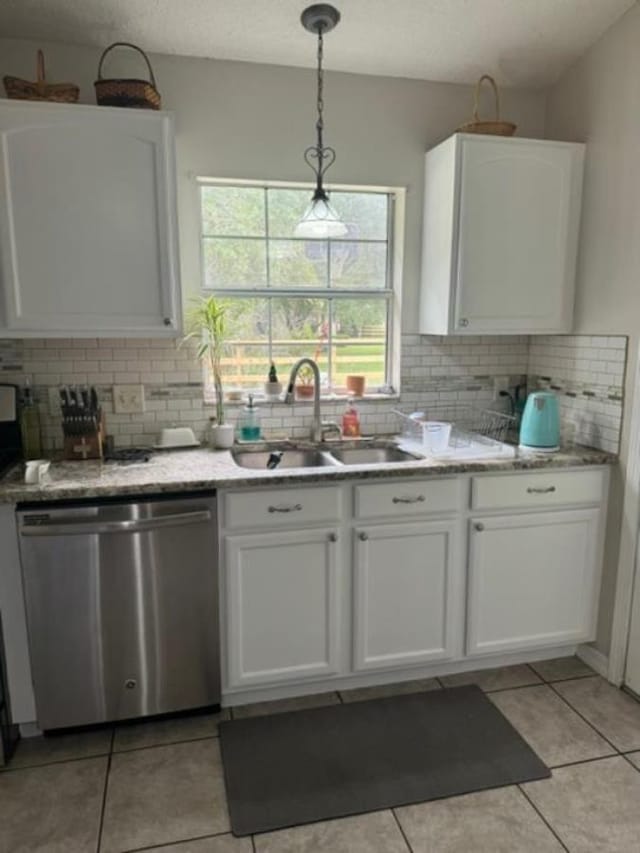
pixel 30 425
pixel 350 421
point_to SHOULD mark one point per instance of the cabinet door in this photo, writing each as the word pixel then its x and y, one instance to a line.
pixel 533 580
pixel 518 217
pixel 404 593
pixel 88 238
pixel 282 592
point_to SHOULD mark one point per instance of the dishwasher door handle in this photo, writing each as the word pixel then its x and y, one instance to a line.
pixel 134 525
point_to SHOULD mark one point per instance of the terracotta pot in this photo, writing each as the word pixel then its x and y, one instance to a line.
pixel 305 392
pixel 355 384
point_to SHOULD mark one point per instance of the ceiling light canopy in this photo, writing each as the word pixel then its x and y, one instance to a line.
pixel 320 220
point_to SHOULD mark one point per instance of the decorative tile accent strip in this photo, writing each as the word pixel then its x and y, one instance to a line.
pixel 587 373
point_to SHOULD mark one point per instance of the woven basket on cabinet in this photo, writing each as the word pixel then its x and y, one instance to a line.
pixel 25 90
pixel 494 127
pixel 127 92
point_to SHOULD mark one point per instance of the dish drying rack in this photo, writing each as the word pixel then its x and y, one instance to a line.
pixel 475 432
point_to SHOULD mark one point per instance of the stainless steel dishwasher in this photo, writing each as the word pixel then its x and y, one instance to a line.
pixel 122 608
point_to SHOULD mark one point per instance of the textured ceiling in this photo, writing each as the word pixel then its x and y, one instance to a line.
pixel 522 42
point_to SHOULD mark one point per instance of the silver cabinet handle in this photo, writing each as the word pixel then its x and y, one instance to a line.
pixel 463 322
pixel 419 499
pixel 292 508
pixel 532 490
pixel 333 537
pixel 363 537
pixel 479 527
pixel 138 525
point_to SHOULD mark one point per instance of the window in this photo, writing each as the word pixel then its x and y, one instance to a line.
pixel 286 297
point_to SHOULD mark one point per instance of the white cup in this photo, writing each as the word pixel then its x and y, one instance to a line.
pixel 36 471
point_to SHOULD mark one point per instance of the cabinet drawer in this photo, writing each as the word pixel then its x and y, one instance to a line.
pixel 549 488
pixel 275 508
pixel 411 497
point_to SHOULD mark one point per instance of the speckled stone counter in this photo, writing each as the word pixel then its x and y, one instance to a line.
pixel 204 469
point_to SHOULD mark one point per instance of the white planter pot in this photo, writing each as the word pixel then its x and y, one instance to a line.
pixel 272 390
pixel 222 436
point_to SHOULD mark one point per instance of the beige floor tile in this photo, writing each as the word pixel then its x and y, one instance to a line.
pixel 359 694
pixel 33 751
pixel 164 794
pixel 559 669
pixel 593 807
pixel 550 727
pixel 296 703
pixel 218 844
pixel 172 730
pixel 614 713
pixel 376 832
pixel 54 809
pixel 501 678
pixel 634 758
pixel 497 821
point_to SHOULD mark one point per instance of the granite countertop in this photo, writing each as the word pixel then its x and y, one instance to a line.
pixel 202 469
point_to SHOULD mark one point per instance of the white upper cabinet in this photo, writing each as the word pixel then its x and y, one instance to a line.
pixel 500 235
pixel 88 231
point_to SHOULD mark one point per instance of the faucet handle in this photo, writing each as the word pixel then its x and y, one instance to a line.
pixel 328 427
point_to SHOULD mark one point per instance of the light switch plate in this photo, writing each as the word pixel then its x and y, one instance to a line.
pixel 128 399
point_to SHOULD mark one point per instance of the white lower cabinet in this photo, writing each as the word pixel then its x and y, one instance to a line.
pixel 282 606
pixel 326 582
pixel 532 580
pixel 403 594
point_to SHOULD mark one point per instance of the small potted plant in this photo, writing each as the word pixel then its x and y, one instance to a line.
pixel 272 387
pixel 304 383
pixel 206 326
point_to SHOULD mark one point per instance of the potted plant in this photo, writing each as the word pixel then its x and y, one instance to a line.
pixel 206 326
pixel 304 383
pixel 272 387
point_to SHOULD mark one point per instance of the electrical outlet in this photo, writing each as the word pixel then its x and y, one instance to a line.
pixel 128 399
pixel 500 383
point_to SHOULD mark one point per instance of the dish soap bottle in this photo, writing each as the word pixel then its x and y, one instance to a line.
pixel 350 420
pixel 250 422
pixel 30 425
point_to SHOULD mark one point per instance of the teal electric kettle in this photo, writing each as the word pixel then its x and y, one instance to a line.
pixel 540 425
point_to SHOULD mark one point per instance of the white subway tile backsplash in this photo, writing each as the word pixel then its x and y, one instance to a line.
pixel 433 370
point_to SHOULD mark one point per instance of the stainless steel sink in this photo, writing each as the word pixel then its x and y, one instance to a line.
pixel 371 455
pixel 289 458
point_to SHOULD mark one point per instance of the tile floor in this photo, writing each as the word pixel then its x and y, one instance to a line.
pixel 158 786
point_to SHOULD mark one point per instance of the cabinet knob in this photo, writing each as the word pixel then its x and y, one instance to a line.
pixel 479 527
pixel 463 322
pixel 333 537
pixel 168 321
pixel 363 537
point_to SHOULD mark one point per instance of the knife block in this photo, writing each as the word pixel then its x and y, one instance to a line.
pixel 88 445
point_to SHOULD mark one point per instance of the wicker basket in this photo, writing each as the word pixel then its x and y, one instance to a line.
pixel 492 128
pixel 127 92
pixel 25 90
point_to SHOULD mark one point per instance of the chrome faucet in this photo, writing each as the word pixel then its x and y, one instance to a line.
pixel 318 427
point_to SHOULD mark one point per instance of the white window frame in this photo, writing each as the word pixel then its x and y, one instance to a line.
pixel 396 237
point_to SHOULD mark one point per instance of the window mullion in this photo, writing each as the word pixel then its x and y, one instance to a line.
pixel 268 262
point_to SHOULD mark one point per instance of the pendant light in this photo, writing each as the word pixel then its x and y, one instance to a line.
pixel 320 220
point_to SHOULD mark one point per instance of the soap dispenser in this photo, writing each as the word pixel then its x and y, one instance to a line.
pixel 250 422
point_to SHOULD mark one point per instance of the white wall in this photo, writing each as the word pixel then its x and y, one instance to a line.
pixel 598 102
pixel 246 120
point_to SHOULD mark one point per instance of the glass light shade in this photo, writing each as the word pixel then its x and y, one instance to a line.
pixel 320 221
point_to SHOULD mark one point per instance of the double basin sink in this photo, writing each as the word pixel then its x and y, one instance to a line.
pixel 277 457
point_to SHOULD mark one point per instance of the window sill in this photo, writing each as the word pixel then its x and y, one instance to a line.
pixel 261 399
